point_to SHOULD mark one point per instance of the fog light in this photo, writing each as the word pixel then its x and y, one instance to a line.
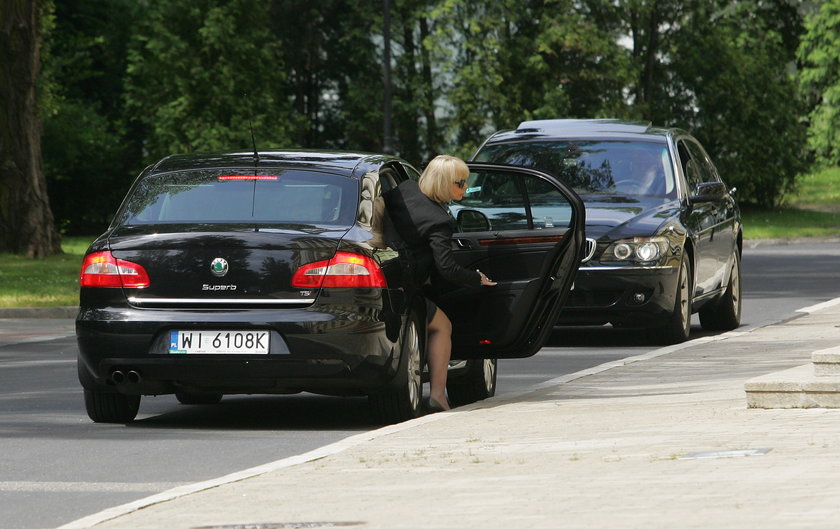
pixel 638 297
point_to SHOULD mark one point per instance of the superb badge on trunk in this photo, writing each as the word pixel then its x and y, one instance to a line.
pixel 219 267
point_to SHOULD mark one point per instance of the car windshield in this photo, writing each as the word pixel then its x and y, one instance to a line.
pixel 594 167
pixel 231 196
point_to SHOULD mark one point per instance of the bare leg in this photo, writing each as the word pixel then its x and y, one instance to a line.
pixel 439 350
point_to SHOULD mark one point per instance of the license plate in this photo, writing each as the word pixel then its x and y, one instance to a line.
pixel 218 342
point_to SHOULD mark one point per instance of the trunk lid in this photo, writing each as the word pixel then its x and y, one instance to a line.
pixel 222 266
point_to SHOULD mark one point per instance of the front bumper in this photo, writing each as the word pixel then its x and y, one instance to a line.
pixel 622 295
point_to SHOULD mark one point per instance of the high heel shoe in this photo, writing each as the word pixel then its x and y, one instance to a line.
pixel 434 406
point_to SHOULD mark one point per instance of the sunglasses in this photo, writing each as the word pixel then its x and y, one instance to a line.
pixel 460 183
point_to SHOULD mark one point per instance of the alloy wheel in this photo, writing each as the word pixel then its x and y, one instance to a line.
pixel 490 375
pixel 735 286
pixel 415 381
pixel 685 297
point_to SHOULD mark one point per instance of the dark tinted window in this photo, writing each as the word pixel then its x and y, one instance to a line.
pixel 707 169
pixel 505 200
pixel 697 166
pixel 594 167
pixel 285 197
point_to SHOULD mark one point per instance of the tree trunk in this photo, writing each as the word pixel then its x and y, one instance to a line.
pixel 26 221
pixel 433 140
pixel 407 115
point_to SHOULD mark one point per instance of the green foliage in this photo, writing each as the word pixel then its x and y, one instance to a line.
pixel 819 80
pixel 129 81
pixel 653 28
pixel 751 129
pixel 508 61
pixel 334 69
pixel 90 156
pixel 190 66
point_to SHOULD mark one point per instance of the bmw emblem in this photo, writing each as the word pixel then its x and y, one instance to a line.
pixel 219 267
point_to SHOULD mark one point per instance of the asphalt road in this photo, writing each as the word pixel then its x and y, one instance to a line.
pixel 57 466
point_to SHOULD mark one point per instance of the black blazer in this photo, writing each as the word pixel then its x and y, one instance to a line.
pixel 426 228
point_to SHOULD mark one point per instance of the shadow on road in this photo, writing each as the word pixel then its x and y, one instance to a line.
pixel 265 412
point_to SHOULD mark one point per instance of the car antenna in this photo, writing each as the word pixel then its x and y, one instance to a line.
pixel 251 126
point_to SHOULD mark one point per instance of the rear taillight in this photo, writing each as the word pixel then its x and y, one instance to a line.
pixel 344 270
pixel 101 269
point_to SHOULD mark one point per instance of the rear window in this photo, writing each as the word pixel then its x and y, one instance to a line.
pixel 281 197
pixel 594 167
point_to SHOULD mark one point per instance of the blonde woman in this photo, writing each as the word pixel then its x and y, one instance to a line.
pixel 420 215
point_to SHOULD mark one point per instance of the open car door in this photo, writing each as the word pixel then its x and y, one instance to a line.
pixel 525 230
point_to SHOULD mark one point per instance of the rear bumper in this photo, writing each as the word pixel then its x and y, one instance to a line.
pixel 325 352
pixel 638 296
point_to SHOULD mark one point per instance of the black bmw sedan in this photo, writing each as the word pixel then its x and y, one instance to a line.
pixel 279 272
pixel 664 230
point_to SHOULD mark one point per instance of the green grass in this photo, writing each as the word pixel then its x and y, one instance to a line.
pixel 818 190
pixel 789 223
pixel 50 282
pixel 812 211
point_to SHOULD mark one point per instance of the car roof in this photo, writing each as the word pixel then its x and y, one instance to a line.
pixel 615 129
pixel 351 164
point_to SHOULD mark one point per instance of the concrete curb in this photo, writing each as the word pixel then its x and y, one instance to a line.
pixel 39 313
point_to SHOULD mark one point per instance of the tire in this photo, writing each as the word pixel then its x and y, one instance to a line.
pixel 110 407
pixel 678 328
pixel 199 398
pixel 725 314
pixel 402 401
pixel 477 383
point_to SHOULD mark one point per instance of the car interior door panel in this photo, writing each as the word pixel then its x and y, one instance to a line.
pixel 523 229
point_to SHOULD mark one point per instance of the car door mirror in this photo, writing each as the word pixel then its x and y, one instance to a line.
pixel 709 192
pixel 472 220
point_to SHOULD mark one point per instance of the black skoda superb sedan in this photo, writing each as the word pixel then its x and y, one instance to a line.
pixel 663 230
pixel 279 272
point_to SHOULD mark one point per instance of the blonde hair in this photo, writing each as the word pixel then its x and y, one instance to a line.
pixel 436 180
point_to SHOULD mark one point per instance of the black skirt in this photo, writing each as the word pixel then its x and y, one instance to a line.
pixel 431 308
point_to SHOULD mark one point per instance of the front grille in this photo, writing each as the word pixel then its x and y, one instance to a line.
pixel 593 298
pixel 590 249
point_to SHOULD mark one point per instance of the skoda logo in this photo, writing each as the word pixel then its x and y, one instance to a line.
pixel 219 267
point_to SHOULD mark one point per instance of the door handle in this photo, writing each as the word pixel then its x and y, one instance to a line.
pixel 464 243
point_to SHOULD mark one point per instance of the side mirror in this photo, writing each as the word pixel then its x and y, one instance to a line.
pixel 709 192
pixel 472 220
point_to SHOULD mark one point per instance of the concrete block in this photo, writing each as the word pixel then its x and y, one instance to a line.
pixel 826 362
pixel 793 388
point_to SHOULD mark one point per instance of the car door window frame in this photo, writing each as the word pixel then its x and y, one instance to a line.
pixel 706 169
pixel 526 204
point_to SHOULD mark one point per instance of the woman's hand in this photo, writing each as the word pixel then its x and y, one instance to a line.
pixel 485 281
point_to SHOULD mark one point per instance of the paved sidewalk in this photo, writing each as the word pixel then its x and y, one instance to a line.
pixel 650 443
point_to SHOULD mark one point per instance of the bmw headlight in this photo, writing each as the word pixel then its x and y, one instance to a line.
pixel 638 249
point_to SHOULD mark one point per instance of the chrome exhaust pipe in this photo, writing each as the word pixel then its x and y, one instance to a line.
pixel 134 377
pixel 118 377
